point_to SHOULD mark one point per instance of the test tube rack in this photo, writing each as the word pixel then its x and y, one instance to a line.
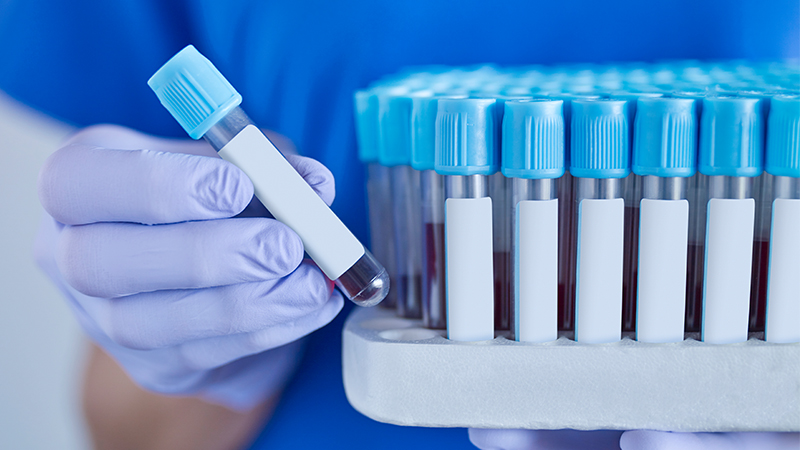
pixel 398 371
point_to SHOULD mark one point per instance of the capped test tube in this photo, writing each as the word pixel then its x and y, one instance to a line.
pixel 533 159
pixel 697 193
pixel 423 144
pixel 600 161
pixel 632 186
pixel 783 163
pixel 206 105
pixel 731 155
pixel 566 213
pixel 664 156
pixel 379 191
pixel 466 153
pixel 394 122
pixel 498 191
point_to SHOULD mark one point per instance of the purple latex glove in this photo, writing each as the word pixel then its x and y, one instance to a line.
pixel 629 440
pixel 143 242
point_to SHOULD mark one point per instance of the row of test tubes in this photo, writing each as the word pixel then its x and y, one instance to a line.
pixel 590 201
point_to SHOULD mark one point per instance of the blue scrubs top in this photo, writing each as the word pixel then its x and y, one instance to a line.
pixel 297 63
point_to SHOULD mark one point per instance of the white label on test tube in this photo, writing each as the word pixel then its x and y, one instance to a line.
pixel 536 271
pixel 598 295
pixel 729 257
pixel 783 291
pixel 469 269
pixel 661 295
pixel 292 201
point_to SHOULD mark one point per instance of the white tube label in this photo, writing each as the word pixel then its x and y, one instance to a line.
pixel 729 258
pixel 598 295
pixel 783 291
pixel 292 201
pixel 661 296
pixel 536 271
pixel 469 270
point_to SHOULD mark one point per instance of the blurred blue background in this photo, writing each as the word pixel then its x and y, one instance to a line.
pixel 296 63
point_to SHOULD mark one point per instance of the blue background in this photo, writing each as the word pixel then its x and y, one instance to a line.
pixel 297 63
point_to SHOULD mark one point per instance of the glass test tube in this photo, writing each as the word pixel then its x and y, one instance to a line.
pixel 378 187
pixel 533 159
pixel 423 144
pixel 566 212
pixel 783 164
pixel 394 120
pixel 498 191
pixel 632 185
pixel 664 159
pixel 206 105
pixel 731 155
pixel 762 193
pixel 697 193
pixel 600 161
pixel 466 153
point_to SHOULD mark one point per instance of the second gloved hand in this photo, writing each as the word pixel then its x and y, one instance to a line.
pixel 187 298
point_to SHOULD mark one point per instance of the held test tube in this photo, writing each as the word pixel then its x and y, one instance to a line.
pixel 206 105
pixel 731 155
pixel 466 153
pixel 599 162
pixel 394 123
pixel 379 191
pixel 664 156
pixel 783 163
pixel 533 159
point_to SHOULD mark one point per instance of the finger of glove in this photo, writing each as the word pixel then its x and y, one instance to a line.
pixel 117 259
pixel 168 318
pixel 487 439
pixel 664 440
pixel 215 352
pixel 80 184
pixel 192 366
pixel 123 138
pixel 316 175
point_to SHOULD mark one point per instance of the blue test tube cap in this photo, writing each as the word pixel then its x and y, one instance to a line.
pixel 783 137
pixel 533 139
pixel 600 145
pixel 467 137
pixel 366 110
pixel 731 136
pixel 394 125
pixel 567 98
pixel 194 91
pixel 423 130
pixel 424 106
pixel 665 138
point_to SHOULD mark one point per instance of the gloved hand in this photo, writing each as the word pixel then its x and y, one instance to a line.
pixel 143 242
pixel 629 440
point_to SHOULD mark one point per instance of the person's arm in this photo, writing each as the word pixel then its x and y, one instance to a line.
pixel 121 415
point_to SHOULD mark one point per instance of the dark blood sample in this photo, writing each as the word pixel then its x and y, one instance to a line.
pixel 434 306
pixel 502 293
pixel 566 255
pixel 694 286
pixel 630 268
pixel 758 292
